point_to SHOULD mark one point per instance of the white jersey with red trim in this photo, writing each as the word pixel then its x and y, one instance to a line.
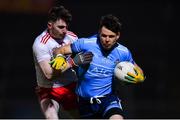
pixel 42 50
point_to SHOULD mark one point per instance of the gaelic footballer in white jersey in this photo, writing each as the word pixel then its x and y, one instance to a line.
pixel 42 49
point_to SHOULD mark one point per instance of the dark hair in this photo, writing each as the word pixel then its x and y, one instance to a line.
pixel 110 22
pixel 59 12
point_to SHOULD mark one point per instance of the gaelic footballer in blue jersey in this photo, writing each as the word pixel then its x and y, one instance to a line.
pixel 96 96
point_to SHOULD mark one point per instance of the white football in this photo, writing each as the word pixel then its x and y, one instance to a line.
pixel 122 69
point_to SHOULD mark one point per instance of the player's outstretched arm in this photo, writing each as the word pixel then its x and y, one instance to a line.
pixel 60 63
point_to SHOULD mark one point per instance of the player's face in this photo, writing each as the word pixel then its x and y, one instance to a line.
pixel 57 29
pixel 108 38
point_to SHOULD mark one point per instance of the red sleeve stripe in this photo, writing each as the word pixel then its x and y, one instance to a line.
pixel 45 38
pixel 71 34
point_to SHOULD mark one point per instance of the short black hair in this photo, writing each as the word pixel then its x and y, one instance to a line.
pixel 111 22
pixel 59 12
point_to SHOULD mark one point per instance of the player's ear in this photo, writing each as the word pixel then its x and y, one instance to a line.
pixel 49 25
pixel 118 35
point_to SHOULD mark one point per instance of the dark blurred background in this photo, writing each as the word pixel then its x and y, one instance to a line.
pixel 148 31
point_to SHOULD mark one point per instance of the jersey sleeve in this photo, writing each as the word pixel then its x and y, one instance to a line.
pixel 72 36
pixel 125 54
pixel 78 45
pixel 129 57
pixel 41 52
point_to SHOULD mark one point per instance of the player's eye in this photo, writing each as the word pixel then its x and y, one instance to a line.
pixel 62 27
pixel 110 36
pixel 103 35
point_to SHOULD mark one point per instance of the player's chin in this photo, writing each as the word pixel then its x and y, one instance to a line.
pixel 107 47
pixel 61 36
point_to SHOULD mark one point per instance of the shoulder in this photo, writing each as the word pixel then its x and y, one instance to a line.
pixel 41 40
pixel 122 48
pixel 71 35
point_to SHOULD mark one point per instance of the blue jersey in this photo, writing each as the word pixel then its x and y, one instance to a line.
pixel 96 79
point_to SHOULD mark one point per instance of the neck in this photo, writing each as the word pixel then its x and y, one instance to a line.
pixel 105 52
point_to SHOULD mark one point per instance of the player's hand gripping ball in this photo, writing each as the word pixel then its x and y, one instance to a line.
pixel 127 72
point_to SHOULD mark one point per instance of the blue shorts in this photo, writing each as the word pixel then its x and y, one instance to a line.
pixel 100 107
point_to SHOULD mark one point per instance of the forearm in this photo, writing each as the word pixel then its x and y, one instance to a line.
pixel 46 69
pixel 64 50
